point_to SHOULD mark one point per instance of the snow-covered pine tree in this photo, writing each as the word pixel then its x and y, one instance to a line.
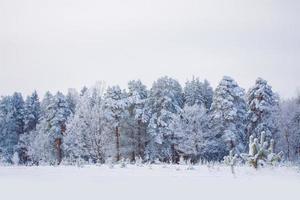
pixel 116 106
pixel 193 93
pixel 189 135
pixel 134 136
pixel 164 103
pixel 48 97
pixel 208 93
pixel 227 120
pixel 58 111
pixel 32 113
pixel 4 112
pixel 11 124
pixel 196 92
pixel 83 90
pixel 263 106
pixel 72 99
pixel 88 138
pixel 46 146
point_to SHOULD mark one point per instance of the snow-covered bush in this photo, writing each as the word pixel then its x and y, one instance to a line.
pixel 139 161
pixel 190 165
pixel 110 162
pixel 231 160
pixel 261 152
pixel 123 163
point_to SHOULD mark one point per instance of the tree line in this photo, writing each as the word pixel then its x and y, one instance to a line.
pixel 106 124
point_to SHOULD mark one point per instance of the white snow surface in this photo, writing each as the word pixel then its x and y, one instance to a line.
pixel 155 182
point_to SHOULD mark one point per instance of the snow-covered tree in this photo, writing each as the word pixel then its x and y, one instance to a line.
pixel 48 97
pixel 164 103
pixel 83 90
pixel 46 145
pixel 263 105
pixel 289 137
pixel 88 138
pixel 196 92
pixel 189 131
pixel 32 113
pixel 40 149
pixel 227 121
pixel 207 92
pixel 72 99
pixel 11 124
pixel 116 106
pixel 134 135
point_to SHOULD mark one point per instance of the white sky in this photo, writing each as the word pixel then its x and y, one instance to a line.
pixel 58 44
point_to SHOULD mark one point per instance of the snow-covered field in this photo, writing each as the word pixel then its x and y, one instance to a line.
pixel 156 182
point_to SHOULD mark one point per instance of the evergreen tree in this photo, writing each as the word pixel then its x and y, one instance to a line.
pixel 196 92
pixel 228 114
pixel 72 99
pixel 32 113
pixel 164 103
pixel 46 146
pixel 263 112
pixel 207 92
pixel 11 124
pixel 83 90
pixel 116 106
pixel 48 97
pixel 134 136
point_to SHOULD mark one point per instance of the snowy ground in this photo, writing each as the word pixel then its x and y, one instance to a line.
pixel 157 182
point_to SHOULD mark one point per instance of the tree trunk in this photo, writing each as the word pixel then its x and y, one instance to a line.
pixel 133 156
pixel 117 144
pixel 58 150
pixel 174 157
pixel 133 146
pixel 288 144
pixel 139 139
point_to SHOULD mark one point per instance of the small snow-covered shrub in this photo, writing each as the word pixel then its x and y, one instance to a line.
pixel 123 163
pixel 231 160
pixel 261 152
pixel 15 158
pixel 190 165
pixel 139 161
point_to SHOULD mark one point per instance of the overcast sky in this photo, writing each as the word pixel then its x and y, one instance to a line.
pixel 58 44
